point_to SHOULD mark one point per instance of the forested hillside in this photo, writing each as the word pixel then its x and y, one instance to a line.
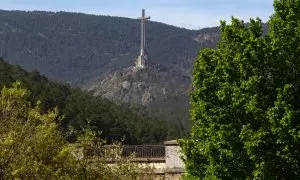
pixel 80 109
pixel 73 47
pixel 93 52
pixel 82 50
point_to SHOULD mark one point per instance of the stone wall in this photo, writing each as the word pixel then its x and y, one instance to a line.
pixel 167 165
pixel 174 165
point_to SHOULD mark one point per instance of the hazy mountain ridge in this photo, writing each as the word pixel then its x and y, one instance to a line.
pixel 97 53
pixel 77 47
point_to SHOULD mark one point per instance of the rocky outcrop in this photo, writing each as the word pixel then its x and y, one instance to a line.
pixel 141 85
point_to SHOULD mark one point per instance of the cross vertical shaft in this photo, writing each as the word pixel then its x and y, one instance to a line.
pixel 143 57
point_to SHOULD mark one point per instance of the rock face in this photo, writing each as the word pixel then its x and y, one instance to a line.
pixel 141 85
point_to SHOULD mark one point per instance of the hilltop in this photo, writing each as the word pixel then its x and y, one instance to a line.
pixel 97 53
pixel 76 48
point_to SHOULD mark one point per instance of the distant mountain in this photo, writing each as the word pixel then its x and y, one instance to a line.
pixel 77 48
pixel 97 53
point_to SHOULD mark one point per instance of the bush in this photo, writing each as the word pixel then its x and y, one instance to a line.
pixel 32 146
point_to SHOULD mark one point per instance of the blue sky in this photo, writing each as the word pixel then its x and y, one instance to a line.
pixel 193 14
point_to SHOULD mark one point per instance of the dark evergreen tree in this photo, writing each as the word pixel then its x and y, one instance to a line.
pixel 81 109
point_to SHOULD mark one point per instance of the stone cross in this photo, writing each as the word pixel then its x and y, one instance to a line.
pixel 143 56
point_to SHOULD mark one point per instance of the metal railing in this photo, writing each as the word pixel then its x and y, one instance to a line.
pixel 138 151
pixel 144 151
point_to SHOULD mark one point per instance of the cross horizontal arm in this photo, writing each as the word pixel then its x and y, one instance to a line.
pixel 148 17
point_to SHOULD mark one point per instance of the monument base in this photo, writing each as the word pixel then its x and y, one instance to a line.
pixel 141 61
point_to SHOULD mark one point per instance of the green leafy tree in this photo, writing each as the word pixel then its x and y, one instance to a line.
pixel 245 101
pixel 33 147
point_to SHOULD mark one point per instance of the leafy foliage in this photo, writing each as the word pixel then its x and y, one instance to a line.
pixel 81 109
pixel 32 146
pixel 245 101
